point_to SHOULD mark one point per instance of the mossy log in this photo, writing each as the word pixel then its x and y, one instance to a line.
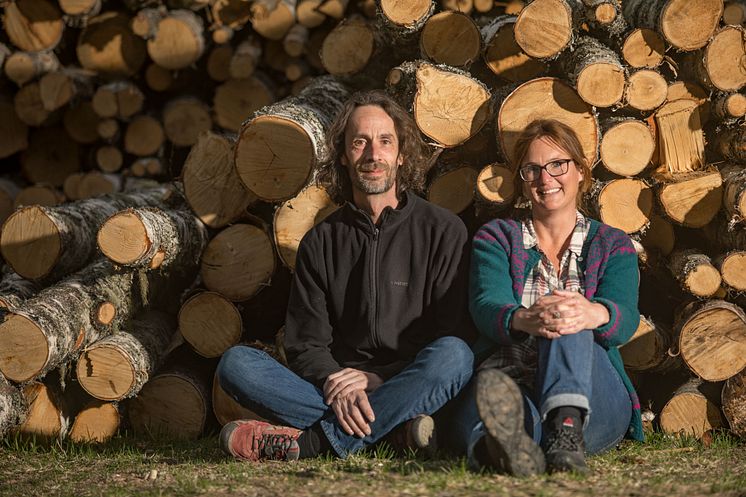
pixel 153 238
pixel 62 238
pixel 117 366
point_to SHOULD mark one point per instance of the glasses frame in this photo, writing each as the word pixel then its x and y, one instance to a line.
pixel 565 167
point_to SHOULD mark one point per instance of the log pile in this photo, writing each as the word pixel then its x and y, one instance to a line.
pixel 155 188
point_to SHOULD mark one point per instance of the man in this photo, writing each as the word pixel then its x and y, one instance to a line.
pixel 377 309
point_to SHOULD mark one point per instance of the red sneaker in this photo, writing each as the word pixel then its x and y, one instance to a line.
pixel 254 440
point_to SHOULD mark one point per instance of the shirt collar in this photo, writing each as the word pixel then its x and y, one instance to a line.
pixel 576 239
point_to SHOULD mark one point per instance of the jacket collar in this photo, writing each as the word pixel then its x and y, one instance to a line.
pixel 389 217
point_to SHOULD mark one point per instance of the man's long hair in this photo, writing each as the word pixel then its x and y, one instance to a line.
pixel 413 150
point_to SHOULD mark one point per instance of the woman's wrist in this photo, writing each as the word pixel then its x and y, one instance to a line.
pixel 601 314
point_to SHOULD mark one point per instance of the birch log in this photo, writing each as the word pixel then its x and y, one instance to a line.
pixel 643 48
pixel 596 72
pixel 693 409
pixel 623 203
pixel 730 143
pixel 279 149
pixel 504 56
pixel 695 272
pixel 15 289
pixel 734 192
pixel 627 145
pixel 153 238
pixel 33 25
pixel 734 403
pixel 451 38
pixel 544 28
pixel 693 200
pixel 719 65
pixel 13 407
pixel 117 366
pixel 210 324
pixel 179 40
pixel 732 267
pixel 62 238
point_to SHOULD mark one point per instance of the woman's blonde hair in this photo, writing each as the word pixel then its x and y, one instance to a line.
pixel 561 135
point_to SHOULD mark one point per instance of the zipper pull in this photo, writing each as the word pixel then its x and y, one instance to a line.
pixel 375 233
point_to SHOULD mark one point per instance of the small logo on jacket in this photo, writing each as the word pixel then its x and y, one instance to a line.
pixel 400 283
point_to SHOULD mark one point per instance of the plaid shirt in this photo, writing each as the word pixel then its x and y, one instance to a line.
pixel 519 360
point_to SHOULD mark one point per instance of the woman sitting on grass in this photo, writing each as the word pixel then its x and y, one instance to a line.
pixel 553 296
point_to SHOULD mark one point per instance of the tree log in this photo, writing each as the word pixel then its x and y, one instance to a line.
pixel 734 12
pixel 495 190
pixel 97 421
pixel 547 98
pixel 238 262
pixel 729 106
pixel 50 157
pixel 719 65
pixel 646 89
pixel 245 58
pixel 684 24
pixel 153 238
pixel 333 8
pixel 33 25
pixel 449 105
pixel 144 136
pixel 712 339
pixel 295 40
pixel 694 200
pixel 158 78
pixel 218 62
pixel 281 146
pixel 681 139
pixel 117 366
pixel 81 123
pixel 94 184
pixel 401 22
pixel 43 195
pixel 349 47
pixel 693 409
pixel 294 217
pixel 13 131
pixel 274 24
pixel 730 143
pixel 643 48
pixel 734 192
pixel 649 348
pixel 14 289
pixel 210 324
pixel 78 12
pixel 237 100
pixel 453 187
pixel 29 106
pixel 734 403
pixel 179 40
pixel 308 15
pixel 627 146
pixel 544 28
pixel 62 238
pixel 732 267
pixel 120 99
pixel 695 272
pixel 659 235
pixel 22 67
pixel 692 91
pixel 233 14
pixel 226 409
pixel 595 71
pixel 96 51
pixel 13 408
pixel 451 38
pixel 503 55
pixel 184 118
pixel 46 416
pixel 109 159
pixel 623 203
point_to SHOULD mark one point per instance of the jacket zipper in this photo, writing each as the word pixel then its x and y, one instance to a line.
pixel 374 285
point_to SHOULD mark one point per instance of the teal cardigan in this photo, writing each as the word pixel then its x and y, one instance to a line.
pixel 609 263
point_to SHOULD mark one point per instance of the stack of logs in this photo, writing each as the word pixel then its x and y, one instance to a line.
pixel 162 157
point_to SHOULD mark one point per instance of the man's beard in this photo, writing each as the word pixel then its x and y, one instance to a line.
pixel 381 184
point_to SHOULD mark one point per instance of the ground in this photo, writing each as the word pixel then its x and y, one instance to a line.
pixel 663 466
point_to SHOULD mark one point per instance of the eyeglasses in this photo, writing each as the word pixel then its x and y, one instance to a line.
pixel 532 172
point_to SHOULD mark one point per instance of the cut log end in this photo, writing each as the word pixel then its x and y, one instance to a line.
pixel 97 422
pixel 23 348
pixel 544 28
pixel 690 414
pixel 226 409
pixel 506 59
pixel 601 84
pixel 106 313
pixel 703 281
pixel 627 148
pixel 405 13
pixel 734 403
pixel 103 372
pixel 348 48
pixel 733 270
pixel 31 231
pixel 693 201
pixel 454 190
pixel 495 185
pixel 123 238
pixel 210 323
pixel 626 204
pixel 643 48
pixel 646 90
pixel 725 59
pixel 605 14
pixel 689 25
pixel 451 38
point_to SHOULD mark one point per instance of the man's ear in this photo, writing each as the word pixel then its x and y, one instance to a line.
pixel 399 160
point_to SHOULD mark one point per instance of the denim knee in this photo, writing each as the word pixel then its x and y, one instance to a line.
pixel 234 364
pixel 450 358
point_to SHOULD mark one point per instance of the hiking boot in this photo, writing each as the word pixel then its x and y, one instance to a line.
pixel 416 434
pixel 254 440
pixel 564 446
pixel 500 404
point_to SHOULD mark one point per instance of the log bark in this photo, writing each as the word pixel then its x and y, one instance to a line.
pixel 210 324
pixel 13 131
pixel 649 349
pixel 118 366
pixel 281 146
pixel 50 156
pixel 719 65
pixel 123 57
pixel 646 89
pixel 13 408
pixel 449 105
pixel 96 422
pixel 120 99
pixel 693 409
pixel 62 238
pixel 695 272
pixel 144 136
pixel 547 98
pixel 627 145
pixel 712 339
pixel 22 67
pixel 729 106
pixel 685 25
pixel 732 267
pixel 79 12
pixel 184 118
pixel 681 139
pixel 453 187
pixel 176 402
pixel 734 192
pixel 595 71
pixel 730 143
pixel 237 100
pixel 294 217
pixel 694 200
pixel 238 262
pixel 33 25
pixel 179 40
pixel 451 38
pixel 623 203
pixel 605 16
pixel 153 238
pixel 734 403
pixel 545 28
pixel 14 289
pixel 401 22
pixel 504 56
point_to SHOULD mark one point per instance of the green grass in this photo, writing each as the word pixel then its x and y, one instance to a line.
pixel 663 466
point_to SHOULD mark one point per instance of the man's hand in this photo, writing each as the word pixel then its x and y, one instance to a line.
pixel 346 381
pixel 354 413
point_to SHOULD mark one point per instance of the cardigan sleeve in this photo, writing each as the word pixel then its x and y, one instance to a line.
pixel 618 291
pixel 491 299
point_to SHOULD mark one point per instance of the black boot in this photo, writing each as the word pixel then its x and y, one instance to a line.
pixel 564 447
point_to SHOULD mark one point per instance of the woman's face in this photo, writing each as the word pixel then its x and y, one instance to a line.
pixel 550 194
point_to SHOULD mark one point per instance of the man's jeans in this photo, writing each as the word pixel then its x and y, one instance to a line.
pixel 573 370
pixel 437 374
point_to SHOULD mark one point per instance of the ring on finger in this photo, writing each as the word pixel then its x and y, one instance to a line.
pixel 556 315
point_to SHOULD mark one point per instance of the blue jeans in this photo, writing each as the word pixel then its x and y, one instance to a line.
pixel 573 370
pixel 257 381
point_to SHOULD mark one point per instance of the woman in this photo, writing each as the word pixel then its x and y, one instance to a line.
pixel 553 296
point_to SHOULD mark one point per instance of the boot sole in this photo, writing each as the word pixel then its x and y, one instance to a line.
pixel 500 406
pixel 423 434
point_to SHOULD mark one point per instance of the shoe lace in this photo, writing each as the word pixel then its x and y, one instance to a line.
pixel 273 445
pixel 564 439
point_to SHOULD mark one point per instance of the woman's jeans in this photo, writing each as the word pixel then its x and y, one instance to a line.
pixel 257 381
pixel 573 370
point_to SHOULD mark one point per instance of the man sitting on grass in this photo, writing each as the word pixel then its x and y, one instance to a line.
pixel 376 321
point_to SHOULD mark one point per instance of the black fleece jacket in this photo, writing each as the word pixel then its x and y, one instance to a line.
pixel 370 297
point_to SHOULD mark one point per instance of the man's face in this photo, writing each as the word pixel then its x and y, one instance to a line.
pixel 371 153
